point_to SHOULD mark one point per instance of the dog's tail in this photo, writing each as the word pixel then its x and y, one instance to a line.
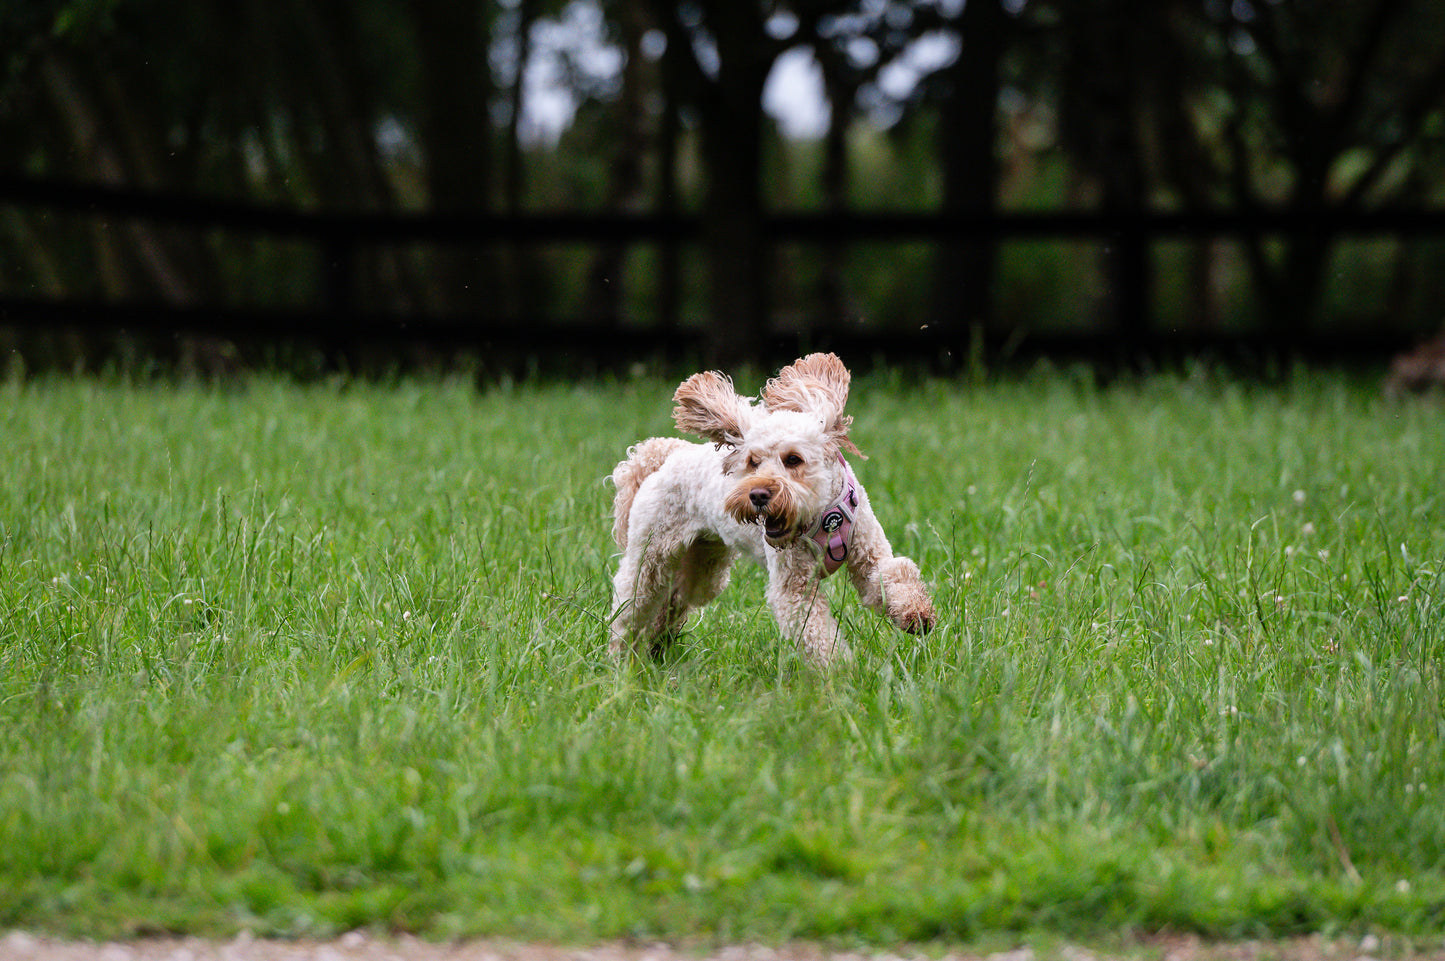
pixel 642 461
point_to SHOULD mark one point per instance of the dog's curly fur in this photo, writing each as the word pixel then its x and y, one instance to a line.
pixel 683 512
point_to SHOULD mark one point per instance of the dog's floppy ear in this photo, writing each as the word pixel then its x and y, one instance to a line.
pixel 708 406
pixel 817 383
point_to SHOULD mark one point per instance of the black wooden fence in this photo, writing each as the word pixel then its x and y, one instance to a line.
pixel 335 319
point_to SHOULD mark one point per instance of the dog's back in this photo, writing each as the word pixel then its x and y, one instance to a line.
pixel 642 461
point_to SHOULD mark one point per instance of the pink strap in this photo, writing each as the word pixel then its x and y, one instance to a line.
pixel 833 531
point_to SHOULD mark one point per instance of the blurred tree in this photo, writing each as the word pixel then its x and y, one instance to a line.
pixel 454 129
pixel 853 44
pixel 669 194
pixel 526 14
pixel 968 125
pixel 719 54
pixel 453 122
pixel 631 143
pixel 359 105
pixel 1111 52
pixel 1183 156
pixel 826 36
pixel 517 296
pixel 1309 106
pixel 370 105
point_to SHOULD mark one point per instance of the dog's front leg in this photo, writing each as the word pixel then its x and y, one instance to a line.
pixel 795 593
pixel 902 597
pixel 889 585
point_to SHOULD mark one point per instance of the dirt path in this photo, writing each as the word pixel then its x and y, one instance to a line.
pixel 18 946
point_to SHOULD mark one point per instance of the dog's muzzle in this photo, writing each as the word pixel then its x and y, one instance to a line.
pixel 776 529
pixel 768 504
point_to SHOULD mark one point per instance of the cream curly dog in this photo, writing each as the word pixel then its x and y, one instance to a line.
pixel 773 485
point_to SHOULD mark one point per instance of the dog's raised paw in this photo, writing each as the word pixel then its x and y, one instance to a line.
pixel 916 620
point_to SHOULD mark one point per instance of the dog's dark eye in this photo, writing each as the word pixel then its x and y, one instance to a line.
pixel 752 462
pixel 792 460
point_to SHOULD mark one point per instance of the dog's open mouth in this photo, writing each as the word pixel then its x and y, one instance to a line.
pixel 776 529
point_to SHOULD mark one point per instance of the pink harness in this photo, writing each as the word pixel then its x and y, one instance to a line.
pixel 833 530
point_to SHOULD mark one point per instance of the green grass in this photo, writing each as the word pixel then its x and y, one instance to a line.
pixel 303 659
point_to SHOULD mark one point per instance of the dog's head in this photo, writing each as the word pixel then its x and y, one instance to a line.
pixel 784 455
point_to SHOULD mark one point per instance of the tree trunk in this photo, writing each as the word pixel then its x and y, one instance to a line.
pixel 455 132
pixel 964 270
pixel 1102 116
pixel 516 163
pixel 669 279
pixel 347 172
pixel 1302 276
pixel 607 287
pixel 834 306
pixel 733 239
pixel 733 222
pixel 142 246
pixel 518 301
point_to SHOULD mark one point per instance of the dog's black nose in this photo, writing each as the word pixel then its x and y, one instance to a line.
pixel 760 497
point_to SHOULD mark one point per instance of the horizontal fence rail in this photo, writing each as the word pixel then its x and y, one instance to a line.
pixel 338 237
pixel 597 227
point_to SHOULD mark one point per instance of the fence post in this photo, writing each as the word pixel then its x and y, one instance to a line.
pixel 338 276
pixel 1130 279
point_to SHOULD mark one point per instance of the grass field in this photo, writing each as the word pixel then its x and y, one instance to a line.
pixel 305 659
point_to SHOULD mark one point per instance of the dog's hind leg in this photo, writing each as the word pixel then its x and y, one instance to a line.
pixel 641 595
pixel 654 592
pixel 700 574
